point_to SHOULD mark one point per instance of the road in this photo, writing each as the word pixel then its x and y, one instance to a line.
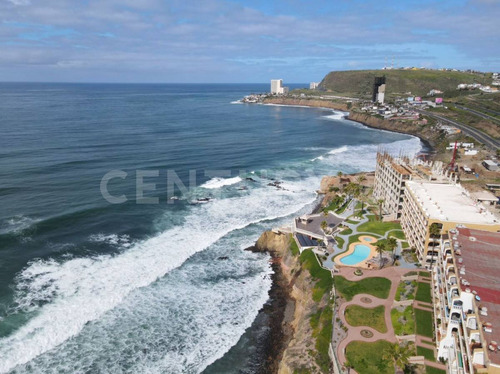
pixel 474 133
pixel 477 113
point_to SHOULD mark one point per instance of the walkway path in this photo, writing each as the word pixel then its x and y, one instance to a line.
pixel 394 274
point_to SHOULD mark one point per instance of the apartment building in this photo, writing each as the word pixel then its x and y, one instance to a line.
pixel 391 175
pixel 444 205
pixel 278 88
pixel 466 292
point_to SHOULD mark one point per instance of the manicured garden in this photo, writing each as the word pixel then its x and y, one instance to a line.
pixel 367 358
pixel 376 286
pixel 403 320
pixel 424 292
pixel 356 315
pixel 426 352
pixel 378 227
pixel 424 322
pixel 405 290
pixel 397 234
pixel 433 370
pixel 347 231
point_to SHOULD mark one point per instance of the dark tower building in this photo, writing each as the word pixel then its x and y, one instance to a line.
pixel 378 90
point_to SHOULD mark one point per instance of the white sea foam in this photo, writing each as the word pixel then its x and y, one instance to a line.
pixel 318 158
pixel 220 182
pixel 84 289
pixel 112 239
pixel 337 115
pixel 16 224
pixel 342 149
pixel 237 102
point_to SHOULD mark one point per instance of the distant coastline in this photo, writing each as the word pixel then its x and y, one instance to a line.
pixel 427 138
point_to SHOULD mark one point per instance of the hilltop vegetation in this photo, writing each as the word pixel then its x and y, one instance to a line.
pixel 359 83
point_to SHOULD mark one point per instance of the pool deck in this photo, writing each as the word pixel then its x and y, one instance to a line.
pixel 366 240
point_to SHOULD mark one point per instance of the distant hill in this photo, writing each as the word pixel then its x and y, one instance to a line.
pixel 359 83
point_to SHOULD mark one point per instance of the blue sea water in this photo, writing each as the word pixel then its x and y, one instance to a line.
pixel 93 287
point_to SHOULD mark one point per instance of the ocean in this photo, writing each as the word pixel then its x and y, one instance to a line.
pixel 111 260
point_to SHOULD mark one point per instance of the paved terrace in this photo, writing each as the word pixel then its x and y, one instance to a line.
pixel 313 225
pixel 394 275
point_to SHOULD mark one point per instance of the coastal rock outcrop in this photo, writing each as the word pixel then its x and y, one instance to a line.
pixel 291 302
pixel 424 132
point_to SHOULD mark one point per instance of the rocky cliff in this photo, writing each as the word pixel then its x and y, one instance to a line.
pixel 425 132
pixel 292 337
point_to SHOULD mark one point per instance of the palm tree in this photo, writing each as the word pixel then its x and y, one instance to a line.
pixel 339 174
pixel 398 354
pixel 324 225
pixel 379 203
pixel 380 248
pixel 391 245
pixel 360 178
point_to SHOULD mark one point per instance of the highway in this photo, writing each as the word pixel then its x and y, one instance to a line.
pixel 477 113
pixel 474 133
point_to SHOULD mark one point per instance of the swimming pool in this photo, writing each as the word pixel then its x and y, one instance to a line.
pixel 361 253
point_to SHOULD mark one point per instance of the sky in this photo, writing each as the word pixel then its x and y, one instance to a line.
pixel 235 41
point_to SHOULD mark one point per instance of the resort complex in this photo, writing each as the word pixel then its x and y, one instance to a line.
pixel 412 263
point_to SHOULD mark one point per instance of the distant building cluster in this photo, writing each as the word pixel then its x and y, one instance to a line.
pixel 475 86
pixel 313 85
pixel 277 87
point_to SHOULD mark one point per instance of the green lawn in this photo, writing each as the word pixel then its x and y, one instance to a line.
pixel 397 234
pixel 366 358
pixel 356 315
pixel 323 277
pixel 347 231
pixel 340 241
pixel 403 322
pixel 355 238
pixel 376 286
pixel 433 370
pixel 424 322
pixel 426 352
pixel 424 292
pixel 378 227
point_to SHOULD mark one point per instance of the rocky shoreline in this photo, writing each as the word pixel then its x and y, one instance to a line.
pixel 285 347
pixel 281 305
pixel 427 136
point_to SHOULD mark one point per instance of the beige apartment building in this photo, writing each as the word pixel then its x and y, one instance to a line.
pixel 466 295
pixel 391 175
pixel 444 204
